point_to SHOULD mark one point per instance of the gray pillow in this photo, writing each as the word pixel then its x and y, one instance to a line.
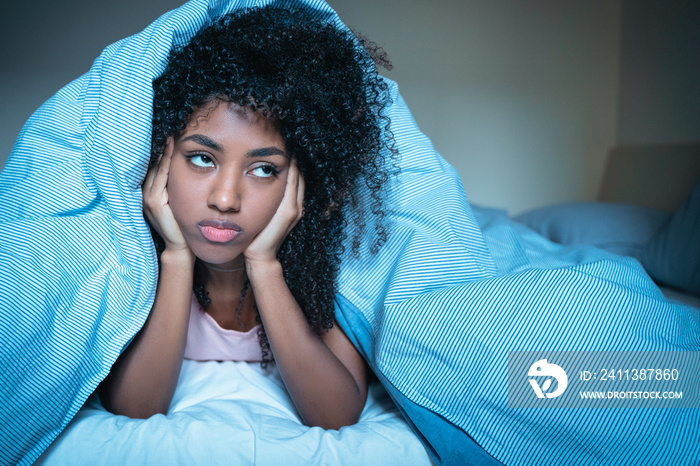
pixel 622 229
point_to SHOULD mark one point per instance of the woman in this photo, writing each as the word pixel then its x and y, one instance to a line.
pixel 266 127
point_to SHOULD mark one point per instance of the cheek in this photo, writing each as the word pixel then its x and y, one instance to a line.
pixel 181 194
pixel 265 205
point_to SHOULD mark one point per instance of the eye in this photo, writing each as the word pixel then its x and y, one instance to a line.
pixel 265 171
pixel 201 160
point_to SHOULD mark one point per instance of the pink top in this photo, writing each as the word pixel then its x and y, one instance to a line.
pixel 207 341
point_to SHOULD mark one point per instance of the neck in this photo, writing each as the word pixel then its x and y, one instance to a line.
pixel 222 276
pixel 224 269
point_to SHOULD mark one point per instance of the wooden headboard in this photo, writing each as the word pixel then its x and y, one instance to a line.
pixel 656 176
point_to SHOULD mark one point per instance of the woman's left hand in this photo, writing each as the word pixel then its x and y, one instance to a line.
pixel 266 244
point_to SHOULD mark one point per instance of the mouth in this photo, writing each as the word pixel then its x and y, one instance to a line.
pixel 218 231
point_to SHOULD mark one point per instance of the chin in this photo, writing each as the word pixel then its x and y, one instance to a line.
pixel 218 255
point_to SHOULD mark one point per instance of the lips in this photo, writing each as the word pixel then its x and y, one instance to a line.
pixel 218 231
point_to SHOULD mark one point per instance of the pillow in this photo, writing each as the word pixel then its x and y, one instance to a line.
pixel 672 257
pixel 622 229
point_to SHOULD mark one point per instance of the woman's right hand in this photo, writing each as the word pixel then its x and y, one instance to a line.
pixel 155 202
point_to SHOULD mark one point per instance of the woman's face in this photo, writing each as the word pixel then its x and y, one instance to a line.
pixel 227 178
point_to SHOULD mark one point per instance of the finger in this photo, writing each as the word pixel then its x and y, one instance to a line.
pixel 300 196
pixel 156 168
pixel 147 189
pixel 292 179
pixel 148 182
pixel 296 199
pixel 290 192
pixel 163 168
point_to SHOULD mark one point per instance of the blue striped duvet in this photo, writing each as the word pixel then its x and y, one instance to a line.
pixel 435 312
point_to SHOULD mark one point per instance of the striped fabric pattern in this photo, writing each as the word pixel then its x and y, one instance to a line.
pixel 444 347
pixel 76 258
pixel 434 312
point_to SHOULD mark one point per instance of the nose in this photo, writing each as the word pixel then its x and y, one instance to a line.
pixel 225 194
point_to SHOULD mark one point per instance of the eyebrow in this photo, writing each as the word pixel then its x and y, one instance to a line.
pixel 204 141
pixel 210 143
pixel 266 152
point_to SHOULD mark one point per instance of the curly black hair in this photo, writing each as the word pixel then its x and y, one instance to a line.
pixel 320 86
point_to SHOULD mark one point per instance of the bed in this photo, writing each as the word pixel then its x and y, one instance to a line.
pixel 642 188
pixel 218 402
pixel 436 313
pixel 235 413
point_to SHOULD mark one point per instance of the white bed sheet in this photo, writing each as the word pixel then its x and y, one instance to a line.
pixel 235 413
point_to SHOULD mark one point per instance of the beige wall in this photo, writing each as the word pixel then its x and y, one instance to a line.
pixel 659 72
pixel 520 96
